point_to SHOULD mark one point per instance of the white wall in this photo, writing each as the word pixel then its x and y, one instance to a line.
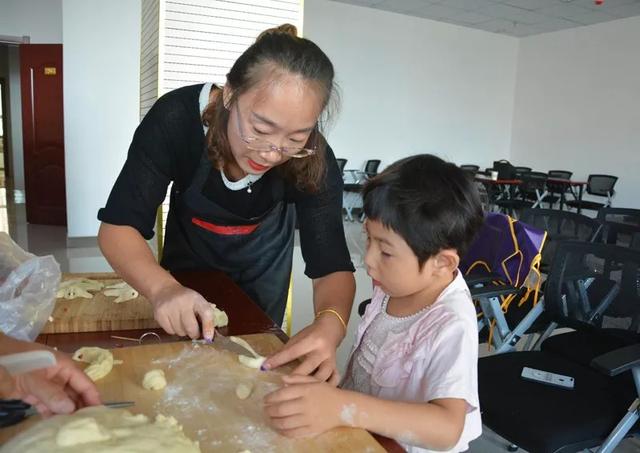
pixel 41 21
pixel 101 45
pixel 413 85
pixel 578 104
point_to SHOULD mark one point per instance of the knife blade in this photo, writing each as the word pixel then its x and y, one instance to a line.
pixel 225 343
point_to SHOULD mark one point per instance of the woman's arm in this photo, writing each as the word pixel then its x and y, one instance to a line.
pixel 307 407
pixel 175 307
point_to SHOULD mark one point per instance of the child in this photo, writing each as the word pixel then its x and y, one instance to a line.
pixel 412 375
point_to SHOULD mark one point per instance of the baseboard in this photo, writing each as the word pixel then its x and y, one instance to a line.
pixel 82 242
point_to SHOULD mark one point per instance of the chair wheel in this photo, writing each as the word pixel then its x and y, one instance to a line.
pixel 513 447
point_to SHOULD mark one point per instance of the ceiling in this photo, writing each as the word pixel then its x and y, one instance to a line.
pixel 510 17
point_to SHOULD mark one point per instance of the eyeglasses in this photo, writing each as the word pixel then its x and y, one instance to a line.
pixel 260 145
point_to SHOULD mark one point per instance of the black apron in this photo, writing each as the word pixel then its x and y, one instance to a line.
pixel 256 253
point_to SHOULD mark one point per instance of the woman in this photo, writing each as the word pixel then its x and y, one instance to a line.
pixel 244 161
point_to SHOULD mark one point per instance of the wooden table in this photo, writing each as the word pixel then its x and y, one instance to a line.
pixel 245 317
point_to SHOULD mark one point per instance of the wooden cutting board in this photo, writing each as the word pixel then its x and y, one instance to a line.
pixel 200 394
pixel 100 313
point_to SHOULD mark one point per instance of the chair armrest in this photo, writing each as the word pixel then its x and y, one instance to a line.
pixel 492 291
pixel 473 280
pixel 618 361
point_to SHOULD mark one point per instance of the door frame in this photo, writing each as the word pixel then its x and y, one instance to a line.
pixel 8 173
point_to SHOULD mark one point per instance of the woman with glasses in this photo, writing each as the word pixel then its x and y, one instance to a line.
pixel 245 160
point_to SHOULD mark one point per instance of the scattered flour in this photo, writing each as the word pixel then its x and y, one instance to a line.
pixel 348 414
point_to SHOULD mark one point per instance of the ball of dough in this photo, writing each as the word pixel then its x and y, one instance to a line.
pixel 154 380
pixel 244 390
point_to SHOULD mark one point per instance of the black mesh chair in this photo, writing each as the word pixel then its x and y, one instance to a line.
pixel 523 169
pixel 371 167
pixel 585 293
pixel 618 225
pixel 526 195
pixel 599 186
pixel 560 226
pixel 341 164
pixel 557 190
pixel 353 182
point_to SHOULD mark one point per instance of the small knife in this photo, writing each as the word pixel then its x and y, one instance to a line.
pixel 225 343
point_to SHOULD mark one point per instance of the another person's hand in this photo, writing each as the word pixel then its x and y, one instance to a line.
pixel 316 346
pixel 177 309
pixel 60 389
pixel 306 407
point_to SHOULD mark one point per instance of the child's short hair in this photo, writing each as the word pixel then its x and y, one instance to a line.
pixel 432 204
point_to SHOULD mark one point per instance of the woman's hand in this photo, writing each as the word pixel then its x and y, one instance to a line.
pixel 316 346
pixel 305 406
pixel 60 389
pixel 177 309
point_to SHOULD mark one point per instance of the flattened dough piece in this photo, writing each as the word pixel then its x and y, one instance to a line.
pixel 102 429
pixel 243 390
pixel 154 380
pixel 121 291
pixel 100 361
pixel 78 287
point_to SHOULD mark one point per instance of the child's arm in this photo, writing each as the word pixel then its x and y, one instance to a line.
pixel 309 407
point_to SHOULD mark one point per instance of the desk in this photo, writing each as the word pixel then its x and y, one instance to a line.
pixel 245 317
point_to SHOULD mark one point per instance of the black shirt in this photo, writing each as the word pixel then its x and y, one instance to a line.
pixel 167 147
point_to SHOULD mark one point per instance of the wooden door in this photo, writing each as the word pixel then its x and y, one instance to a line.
pixel 43 133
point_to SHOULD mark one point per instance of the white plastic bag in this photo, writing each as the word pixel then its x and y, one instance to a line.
pixel 28 286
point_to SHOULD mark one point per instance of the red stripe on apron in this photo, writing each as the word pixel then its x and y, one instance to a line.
pixel 224 230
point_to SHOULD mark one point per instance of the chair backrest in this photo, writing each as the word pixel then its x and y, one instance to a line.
pixel 523 169
pixel 594 285
pixel 341 164
pixel 534 180
pixel 635 241
pixel 619 215
pixel 601 185
pixel 470 168
pixel 560 174
pixel 505 169
pixel 371 167
pixel 557 187
pixel 560 226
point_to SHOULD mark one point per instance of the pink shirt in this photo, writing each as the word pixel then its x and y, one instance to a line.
pixel 437 357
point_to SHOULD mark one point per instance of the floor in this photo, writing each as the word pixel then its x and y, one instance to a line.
pixel 45 240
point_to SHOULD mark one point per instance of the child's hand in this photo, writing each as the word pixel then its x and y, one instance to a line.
pixel 305 407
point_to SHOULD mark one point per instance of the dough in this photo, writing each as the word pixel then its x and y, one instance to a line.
pixel 220 318
pixel 99 429
pixel 154 380
pixel 121 291
pixel 252 362
pixel 243 391
pixel 78 287
pixel 100 361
